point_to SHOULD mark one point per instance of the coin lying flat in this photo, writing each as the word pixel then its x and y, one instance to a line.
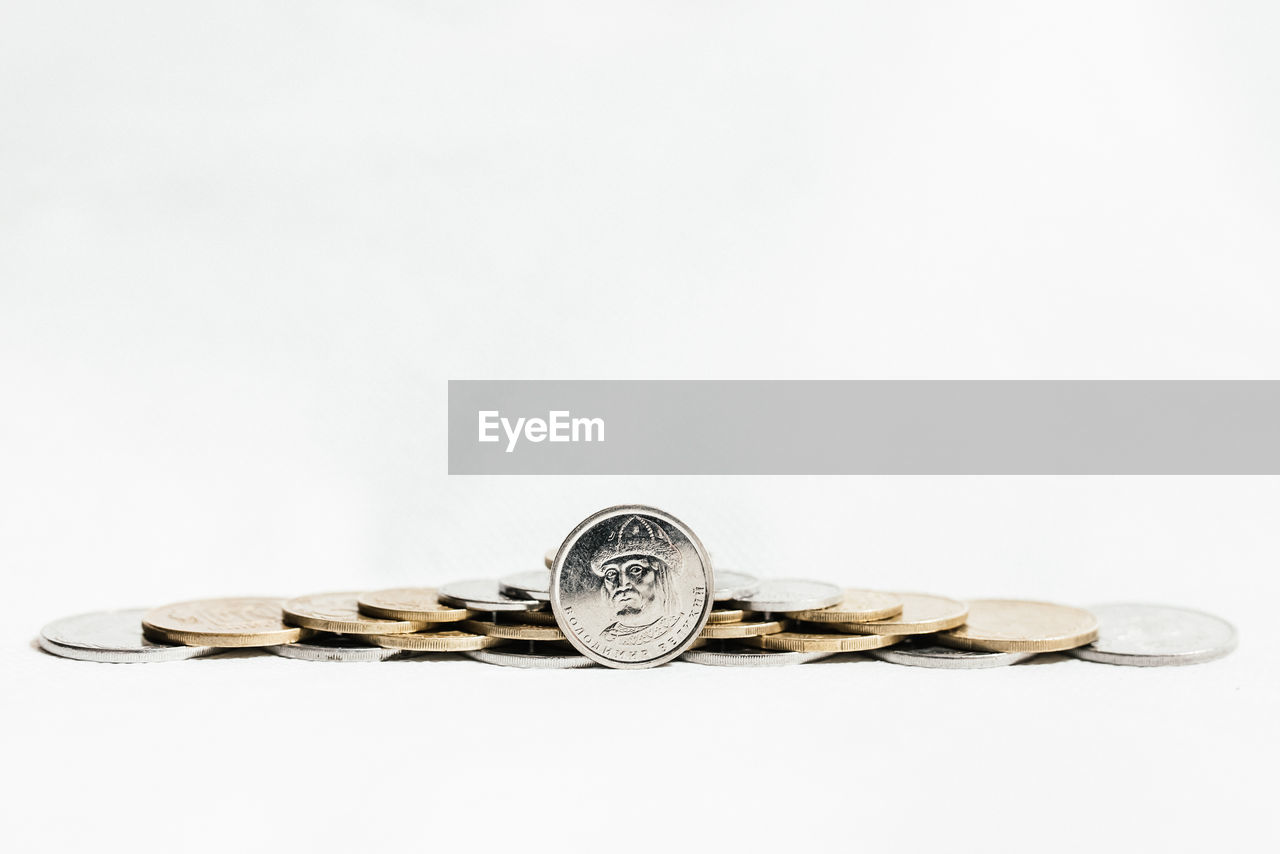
pixel 534 584
pixel 536 659
pixel 112 637
pixel 1156 636
pixel 741 629
pixel 410 603
pixel 727 615
pixel 814 642
pixel 1013 625
pixel 857 606
pixel 921 614
pixel 334 649
pixel 484 595
pixel 240 622
pixel 921 653
pixel 339 612
pixel 732 585
pixel 514 631
pixel 790 595
pixel 631 587
pixel 529 618
pixel 751 657
pixel 435 641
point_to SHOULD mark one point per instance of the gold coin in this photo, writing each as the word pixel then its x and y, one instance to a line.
pixel 1010 625
pixel 727 615
pixel 410 603
pixel 550 557
pixel 514 631
pixel 815 642
pixel 220 622
pixel 528 618
pixel 443 641
pixel 338 612
pixel 921 614
pixel 858 606
pixel 741 630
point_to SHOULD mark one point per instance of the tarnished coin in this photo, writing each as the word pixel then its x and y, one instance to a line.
pixel 790 595
pixel 727 615
pixel 857 606
pixel 1157 635
pixel 112 637
pixel 750 657
pixel 514 631
pixel 436 641
pixel 921 614
pixel 482 594
pixel 536 658
pixel 813 642
pixel 631 587
pixel 321 648
pixel 741 629
pixel 339 612
pixel 534 584
pixel 241 622
pixel 921 653
pixel 531 618
pixel 732 585
pixel 550 557
pixel 410 603
pixel 1013 625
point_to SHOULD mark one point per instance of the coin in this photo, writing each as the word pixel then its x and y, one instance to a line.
pixel 921 614
pixel 789 595
pixel 1157 635
pixel 482 594
pixel 534 584
pixel 734 585
pixel 550 557
pixel 240 622
pixel 727 615
pixel 339 612
pixel 435 641
pixel 113 637
pixel 814 642
pixel 1011 625
pixel 410 603
pixel 631 587
pixel 536 659
pixel 321 648
pixel 750 657
pixel 857 606
pixel 529 618
pixel 921 653
pixel 514 631
pixel 741 630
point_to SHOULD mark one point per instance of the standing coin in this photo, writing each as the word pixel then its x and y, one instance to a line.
pixel 631 587
pixel 791 595
pixel 435 641
pixel 735 585
pixel 815 642
pixel 114 637
pixel 922 614
pixel 857 606
pixel 741 630
pixel 410 603
pixel 335 649
pixel 1157 635
pixel 750 657
pixel 534 658
pixel 1012 625
pixel 924 654
pixel 482 594
pixel 339 612
pixel 242 622
pixel 534 584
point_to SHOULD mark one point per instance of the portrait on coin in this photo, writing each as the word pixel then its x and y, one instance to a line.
pixel 635 566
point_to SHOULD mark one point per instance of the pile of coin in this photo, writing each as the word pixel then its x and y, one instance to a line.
pixel 633 587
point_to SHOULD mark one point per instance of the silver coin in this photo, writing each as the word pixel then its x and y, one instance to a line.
pixel 631 587
pixel 114 637
pixel 1156 636
pixel 749 657
pixel 338 648
pixel 923 654
pixel 482 594
pixel 531 658
pixel 535 584
pixel 734 585
pixel 787 595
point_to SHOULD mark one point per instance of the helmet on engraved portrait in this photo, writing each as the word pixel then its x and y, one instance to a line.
pixel 636 537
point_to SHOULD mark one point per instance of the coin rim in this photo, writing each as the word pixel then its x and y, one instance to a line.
pixel 1058 643
pixel 447 614
pixel 286 634
pixel 878 627
pixel 833 615
pixel 742 629
pixel 366 626
pixel 856 643
pixel 514 631
pixel 441 645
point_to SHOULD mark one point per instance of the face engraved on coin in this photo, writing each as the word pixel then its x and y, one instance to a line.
pixel 240 622
pixel 532 584
pixel 320 648
pixel 790 595
pixel 484 595
pixel 749 657
pixel 921 653
pixel 339 612
pixel 1157 636
pixel 1014 625
pixel 631 587
pixel 113 637
pixel 536 658
pixel 410 603
pixel 732 585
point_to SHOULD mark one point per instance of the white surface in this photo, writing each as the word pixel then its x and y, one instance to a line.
pixel 246 244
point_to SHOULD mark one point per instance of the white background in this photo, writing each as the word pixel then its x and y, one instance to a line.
pixel 245 245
